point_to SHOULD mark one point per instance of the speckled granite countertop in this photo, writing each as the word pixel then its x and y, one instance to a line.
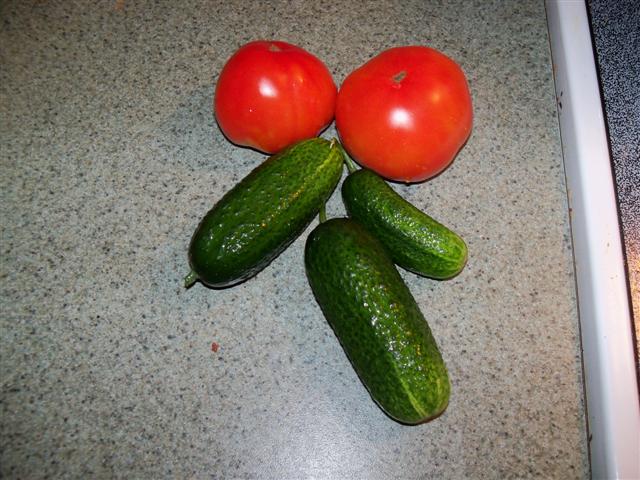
pixel 110 155
pixel 615 28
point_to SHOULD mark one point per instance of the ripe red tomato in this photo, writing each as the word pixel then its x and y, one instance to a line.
pixel 271 94
pixel 405 113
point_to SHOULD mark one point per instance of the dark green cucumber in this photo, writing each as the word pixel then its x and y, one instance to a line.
pixel 257 219
pixel 377 321
pixel 415 241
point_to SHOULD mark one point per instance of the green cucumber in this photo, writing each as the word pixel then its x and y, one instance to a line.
pixel 377 321
pixel 266 211
pixel 415 241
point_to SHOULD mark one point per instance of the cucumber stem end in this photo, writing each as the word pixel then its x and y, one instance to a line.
pixel 323 213
pixel 351 165
pixel 190 279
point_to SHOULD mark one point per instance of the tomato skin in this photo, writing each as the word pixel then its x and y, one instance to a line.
pixel 405 113
pixel 271 94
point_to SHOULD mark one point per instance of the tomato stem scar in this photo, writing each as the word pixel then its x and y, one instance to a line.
pixel 398 77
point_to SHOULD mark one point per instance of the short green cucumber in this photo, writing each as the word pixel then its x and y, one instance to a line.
pixel 415 241
pixel 377 321
pixel 259 217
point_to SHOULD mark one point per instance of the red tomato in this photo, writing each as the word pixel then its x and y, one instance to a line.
pixel 272 94
pixel 405 113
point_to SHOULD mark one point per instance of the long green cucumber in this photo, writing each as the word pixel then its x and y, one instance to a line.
pixel 415 241
pixel 259 217
pixel 377 321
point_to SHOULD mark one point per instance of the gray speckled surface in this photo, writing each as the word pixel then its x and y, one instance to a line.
pixel 615 28
pixel 110 155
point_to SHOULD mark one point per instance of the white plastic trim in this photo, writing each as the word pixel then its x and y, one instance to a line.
pixel 613 406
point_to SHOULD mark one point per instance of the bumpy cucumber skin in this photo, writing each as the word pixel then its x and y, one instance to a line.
pixel 415 241
pixel 259 217
pixel 377 321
